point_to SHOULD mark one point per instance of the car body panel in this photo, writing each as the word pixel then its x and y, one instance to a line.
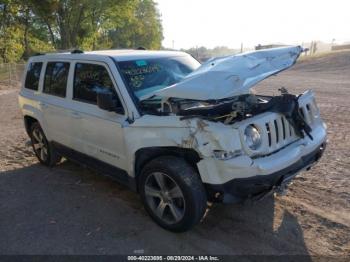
pixel 115 138
pixel 233 75
pixel 244 166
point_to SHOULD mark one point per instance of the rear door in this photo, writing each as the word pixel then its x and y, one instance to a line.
pixel 54 102
pixel 100 132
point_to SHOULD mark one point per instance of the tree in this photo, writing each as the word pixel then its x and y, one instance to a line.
pixel 28 26
pixel 144 29
pixel 90 24
pixel 11 47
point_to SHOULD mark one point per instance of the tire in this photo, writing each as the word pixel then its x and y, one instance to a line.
pixel 172 193
pixel 43 150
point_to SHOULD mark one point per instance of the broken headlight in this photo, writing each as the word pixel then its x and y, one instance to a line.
pixel 252 137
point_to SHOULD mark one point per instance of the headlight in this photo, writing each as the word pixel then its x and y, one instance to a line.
pixel 252 137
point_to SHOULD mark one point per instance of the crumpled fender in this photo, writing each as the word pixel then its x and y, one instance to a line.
pixel 208 136
pixel 197 134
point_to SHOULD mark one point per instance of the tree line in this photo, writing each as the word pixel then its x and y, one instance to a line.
pixel 31 26
pixel 202 53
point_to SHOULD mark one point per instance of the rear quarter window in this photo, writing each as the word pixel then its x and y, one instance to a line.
pixel 33 76
pixel 56 77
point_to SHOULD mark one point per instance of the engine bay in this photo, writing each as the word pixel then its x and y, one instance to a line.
pixel 231 110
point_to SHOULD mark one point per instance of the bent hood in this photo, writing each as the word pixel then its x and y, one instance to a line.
pixel 233 75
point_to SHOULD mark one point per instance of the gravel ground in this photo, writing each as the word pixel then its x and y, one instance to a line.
pixel 72 210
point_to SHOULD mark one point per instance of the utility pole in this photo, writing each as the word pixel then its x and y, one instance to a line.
pixel 333 40
pixel 241 47
pixel 311 47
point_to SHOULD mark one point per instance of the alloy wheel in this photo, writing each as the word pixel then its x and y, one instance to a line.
pixel 164 197
pixel 40 144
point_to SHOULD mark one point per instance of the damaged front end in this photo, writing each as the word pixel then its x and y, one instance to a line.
pixel 285 136
pixel 248 145
pixel 230 111
pixel 219 90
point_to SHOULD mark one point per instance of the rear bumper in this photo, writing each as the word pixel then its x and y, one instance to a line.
pixel 255 187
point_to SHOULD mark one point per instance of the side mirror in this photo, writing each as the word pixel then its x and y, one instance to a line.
pixel 108 102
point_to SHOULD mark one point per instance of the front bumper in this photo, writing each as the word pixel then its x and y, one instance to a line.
pixel 258 186
pixel 243 177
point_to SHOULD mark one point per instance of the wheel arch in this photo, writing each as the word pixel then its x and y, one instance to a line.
pixel 32 114
pixel 28 122
pixel 147 154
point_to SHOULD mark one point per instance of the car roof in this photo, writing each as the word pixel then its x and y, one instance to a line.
pixel 117 54
pixel 122 55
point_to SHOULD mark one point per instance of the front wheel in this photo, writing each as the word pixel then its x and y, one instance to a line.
pixel 172 193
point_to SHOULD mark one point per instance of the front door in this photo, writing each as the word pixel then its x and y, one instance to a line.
pixel 100 132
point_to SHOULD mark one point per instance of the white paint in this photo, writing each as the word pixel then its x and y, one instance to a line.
pixel 111 138
pixel 232 75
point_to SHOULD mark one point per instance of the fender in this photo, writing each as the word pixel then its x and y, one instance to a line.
pixel 140 138
pixel 31 111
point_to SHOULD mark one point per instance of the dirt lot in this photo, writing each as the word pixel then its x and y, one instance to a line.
pixel 71 210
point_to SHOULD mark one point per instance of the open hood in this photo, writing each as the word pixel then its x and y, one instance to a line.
pixel 233 75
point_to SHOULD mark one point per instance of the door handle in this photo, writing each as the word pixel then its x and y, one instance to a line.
pixel 43 105
pixel 76 115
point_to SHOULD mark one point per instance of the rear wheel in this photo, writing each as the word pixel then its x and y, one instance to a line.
pixel 172 193
pixel 42 148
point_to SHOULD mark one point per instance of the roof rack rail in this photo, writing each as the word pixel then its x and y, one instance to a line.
pixel 141 48
pixel 37 54
pixel 77 51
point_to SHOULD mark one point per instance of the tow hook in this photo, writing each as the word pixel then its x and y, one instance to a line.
pixel 209 205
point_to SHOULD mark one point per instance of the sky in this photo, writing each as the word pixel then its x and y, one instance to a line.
pixel 210 23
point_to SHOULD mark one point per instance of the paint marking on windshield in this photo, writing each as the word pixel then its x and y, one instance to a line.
pixel 141 62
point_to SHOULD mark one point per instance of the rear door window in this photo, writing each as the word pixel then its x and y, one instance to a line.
pixel 89 79
pixel 33 76
pixel 56 77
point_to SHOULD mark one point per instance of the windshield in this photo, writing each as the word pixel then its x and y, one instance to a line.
pixel 145 76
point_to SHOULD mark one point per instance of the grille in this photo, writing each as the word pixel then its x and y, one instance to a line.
pixel 308 111
pixel 279 132
pixel 275 129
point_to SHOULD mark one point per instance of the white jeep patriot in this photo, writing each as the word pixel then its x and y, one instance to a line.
pixel 177 132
